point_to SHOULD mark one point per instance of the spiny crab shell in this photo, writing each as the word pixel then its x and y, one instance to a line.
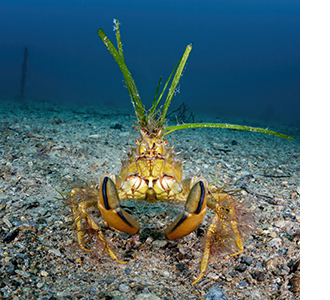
pixel 155 164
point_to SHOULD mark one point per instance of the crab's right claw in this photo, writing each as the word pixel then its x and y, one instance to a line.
pixel 109 205
pixel 195 209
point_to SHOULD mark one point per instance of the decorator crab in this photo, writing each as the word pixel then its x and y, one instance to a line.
pixel 151 172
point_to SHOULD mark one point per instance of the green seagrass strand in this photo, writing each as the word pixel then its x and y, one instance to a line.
pixel 118 38
pixel 119 58
pixel 175 82
pixel 155 104
pixel 118 55
pixel 170 129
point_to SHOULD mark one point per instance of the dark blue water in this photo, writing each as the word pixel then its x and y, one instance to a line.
pixel 245 57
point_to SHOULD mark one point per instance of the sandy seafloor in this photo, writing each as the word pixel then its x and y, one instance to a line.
pixel 45 146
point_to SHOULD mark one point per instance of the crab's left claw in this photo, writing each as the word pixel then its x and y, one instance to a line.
pixel 109 205
pixel 195 209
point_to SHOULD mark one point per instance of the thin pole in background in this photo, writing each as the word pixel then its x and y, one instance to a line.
pixel 24 69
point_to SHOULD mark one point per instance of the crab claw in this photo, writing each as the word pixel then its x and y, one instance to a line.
pixel 195 209
pixel 109 205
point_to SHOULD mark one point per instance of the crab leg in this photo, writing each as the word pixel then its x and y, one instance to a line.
pixel 109 205
pixel 206 253
pixel 81 213
pixel 195 209
pixel 218 219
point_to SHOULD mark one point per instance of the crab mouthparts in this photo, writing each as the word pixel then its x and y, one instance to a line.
pixel 151 196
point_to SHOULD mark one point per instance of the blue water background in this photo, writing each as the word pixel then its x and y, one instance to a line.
pixel 244 62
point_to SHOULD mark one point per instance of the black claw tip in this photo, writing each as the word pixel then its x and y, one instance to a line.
pixel 104 193
pixel 201 200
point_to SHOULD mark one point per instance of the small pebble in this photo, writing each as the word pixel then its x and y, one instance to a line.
pixel 295 266
pixel 40 285
pixel 276 242
pixel 124 288
pixel 215 293
pixel 94 290
pixel 284 224
pixel 10 236
pixel 295 284
pixel 213 276
pixel 7 222
pixel 259 276
pixel 116 125
pixel 158 244
pixel 228 277
pixel 272 234
pixel 147 296
pixel 241 268
pixel 10 268
pixel 55 252
pixel 243 284
pixel 23 273
pixel 94 136
pixel 165 273
pixel 44 273
pixel 247 260
pixel 284 270
pixel 271 263
pixel 248 278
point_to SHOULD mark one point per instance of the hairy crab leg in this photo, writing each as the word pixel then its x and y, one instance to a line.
pixel 239 242
pixel 206 253
pixel 80 213
pixel 81 210
pixel 218 217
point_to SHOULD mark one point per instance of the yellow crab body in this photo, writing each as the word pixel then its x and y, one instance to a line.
pixel 150 172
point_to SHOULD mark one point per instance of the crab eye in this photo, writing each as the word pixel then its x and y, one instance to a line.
pixel 165 142
pixel 136 141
